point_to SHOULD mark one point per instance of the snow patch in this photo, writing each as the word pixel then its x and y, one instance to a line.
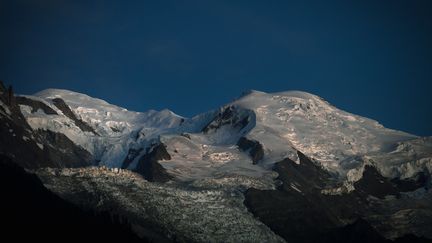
pixel 5 108
pixel 40 146
pixel 295 187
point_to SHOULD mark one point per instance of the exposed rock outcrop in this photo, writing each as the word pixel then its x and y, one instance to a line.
pixel 253 147
pixel 299 212
pixel 61 149
pixel 373 183
pixel 410 184
pixel 295 211
pixel 130 157
pixel 149 167
pixel 35 149
pixel 61 105
pixel 35 105
pixel 228 116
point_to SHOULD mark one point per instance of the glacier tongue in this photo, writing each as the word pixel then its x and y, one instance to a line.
pixel 206 145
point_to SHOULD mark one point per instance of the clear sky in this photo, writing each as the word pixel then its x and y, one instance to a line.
pixel 372 58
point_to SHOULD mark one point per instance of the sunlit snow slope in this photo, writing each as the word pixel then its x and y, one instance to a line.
pixel 305 122
pixel 117 128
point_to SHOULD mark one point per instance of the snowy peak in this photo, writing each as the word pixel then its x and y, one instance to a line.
pixel 71 97
pixel 291 121
pixel 285 154
pixel 314 126
pixel 107 131
pixel 256 95
pixel 107 118
pixel 246 136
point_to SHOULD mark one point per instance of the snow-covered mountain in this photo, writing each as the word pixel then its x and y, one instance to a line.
pixel 115 129
pixel 277 125
pixel 267 167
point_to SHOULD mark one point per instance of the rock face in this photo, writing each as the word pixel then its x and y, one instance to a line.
pixel 228 116
pixel 253 147
pixel 17 140
pixel 374 184
pixel 130 157
pixel 295 211
pixel 34 149
pixel 419 180
pixel 60 148
pixel 357 232
pixel 299 212
pixel 149 167
pixel 35 105
pixel 306 176
pixel 61 105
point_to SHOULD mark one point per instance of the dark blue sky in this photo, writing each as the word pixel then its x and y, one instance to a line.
pixel 372 58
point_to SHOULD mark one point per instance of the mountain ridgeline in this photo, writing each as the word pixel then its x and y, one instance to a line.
pixel 279 167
